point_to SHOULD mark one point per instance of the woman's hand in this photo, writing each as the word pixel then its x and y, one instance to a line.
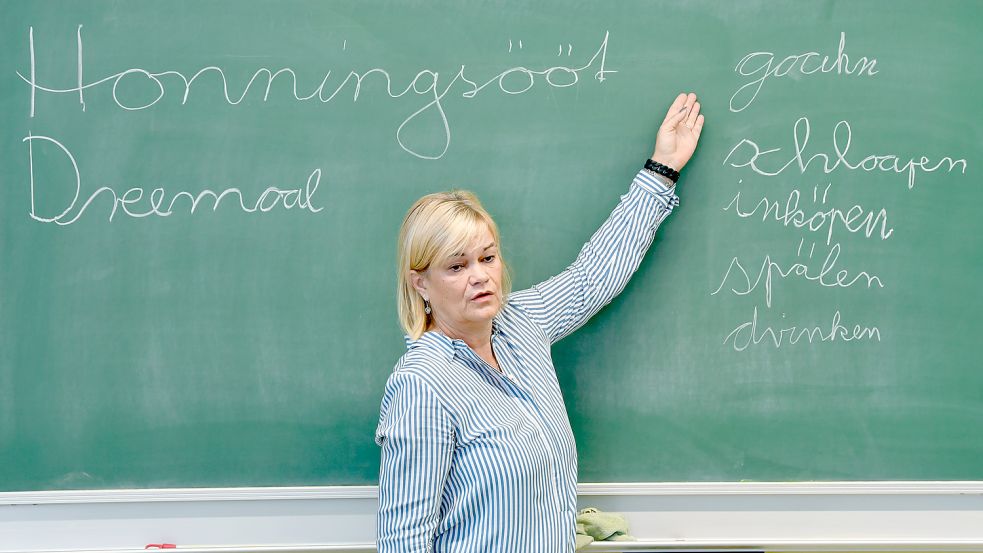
pixel 679 133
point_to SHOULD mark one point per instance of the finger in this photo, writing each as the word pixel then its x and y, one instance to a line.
pixel 676 106
pixel 688 105
pixel 674 119
pixel 694 112
pixel 698 127
pixel 690 100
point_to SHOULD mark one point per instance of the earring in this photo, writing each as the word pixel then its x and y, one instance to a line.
pixel 426 307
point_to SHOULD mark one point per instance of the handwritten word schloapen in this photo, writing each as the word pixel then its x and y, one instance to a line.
pixel 774 161
pixel 211 80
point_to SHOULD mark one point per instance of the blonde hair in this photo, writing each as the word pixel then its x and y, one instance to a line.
pixel 437 226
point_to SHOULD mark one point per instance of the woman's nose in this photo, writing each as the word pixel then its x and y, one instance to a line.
pixel 479 274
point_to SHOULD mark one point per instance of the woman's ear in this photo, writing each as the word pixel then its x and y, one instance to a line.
pixel 419 282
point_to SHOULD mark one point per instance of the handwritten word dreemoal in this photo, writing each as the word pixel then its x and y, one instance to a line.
pixel 761 161
pixel 300 198
pixel 426 83
pixel 769 268
pixel 746 333
pixel 856 219
pixel 761 65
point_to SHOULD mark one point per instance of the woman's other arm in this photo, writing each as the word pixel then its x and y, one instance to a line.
pixel 417 440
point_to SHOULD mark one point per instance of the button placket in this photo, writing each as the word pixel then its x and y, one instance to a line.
pixel 532 412
pixel 529 409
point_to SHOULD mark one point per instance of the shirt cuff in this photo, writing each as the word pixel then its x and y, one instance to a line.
pixel 658 187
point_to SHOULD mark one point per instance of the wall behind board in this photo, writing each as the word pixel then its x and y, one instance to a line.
pixel 809 312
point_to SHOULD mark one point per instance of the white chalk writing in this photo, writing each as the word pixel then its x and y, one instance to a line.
pixel 755 157
pixel 855 219
pixel 300 198
pixel 769 268
pixel 427 83
pixel 747 333
pixel 762 66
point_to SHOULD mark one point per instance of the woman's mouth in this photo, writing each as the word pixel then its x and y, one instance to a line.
pixel 483 296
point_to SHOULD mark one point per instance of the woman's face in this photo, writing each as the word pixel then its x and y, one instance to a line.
pixel 464 289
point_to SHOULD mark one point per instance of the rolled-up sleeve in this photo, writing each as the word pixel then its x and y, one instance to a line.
pixel 417 439
pixel 601 271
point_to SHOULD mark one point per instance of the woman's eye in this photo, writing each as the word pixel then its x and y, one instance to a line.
pixel 456 268
pixel 489 259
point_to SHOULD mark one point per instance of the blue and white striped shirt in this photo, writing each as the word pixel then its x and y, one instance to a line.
pixel 474 460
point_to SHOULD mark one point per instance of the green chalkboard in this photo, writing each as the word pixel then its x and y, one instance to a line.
pixel 810 312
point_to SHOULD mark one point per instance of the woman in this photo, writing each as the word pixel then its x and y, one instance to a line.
pixel 477 451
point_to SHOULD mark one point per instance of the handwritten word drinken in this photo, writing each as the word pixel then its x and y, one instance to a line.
pixel 747 333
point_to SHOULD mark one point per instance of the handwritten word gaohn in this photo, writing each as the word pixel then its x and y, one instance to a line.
pixel 770 268
pixel 761 65
pixel 746 334
pixel 842 137
pixel 856 219
pixel 300 198
pixel 426 83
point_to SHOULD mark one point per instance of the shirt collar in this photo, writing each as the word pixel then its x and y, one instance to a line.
pixel 435 340
pixel 441 342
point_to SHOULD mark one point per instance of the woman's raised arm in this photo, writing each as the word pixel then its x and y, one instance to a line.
pixel 601 271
